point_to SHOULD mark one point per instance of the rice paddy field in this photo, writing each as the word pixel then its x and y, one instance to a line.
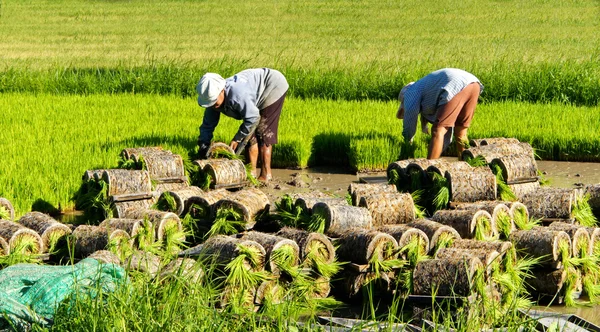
pixel 82 80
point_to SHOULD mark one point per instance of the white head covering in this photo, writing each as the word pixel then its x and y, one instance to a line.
pixel 209 87
pixel 403 90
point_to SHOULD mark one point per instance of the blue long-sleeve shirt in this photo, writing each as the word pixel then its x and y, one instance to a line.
pixel 426 95
pixel 246 93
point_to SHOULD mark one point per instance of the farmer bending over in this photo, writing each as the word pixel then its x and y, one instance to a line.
pixel 445 98
pixel 254 96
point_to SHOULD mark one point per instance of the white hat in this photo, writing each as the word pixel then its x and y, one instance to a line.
pixel 209 88
pixel 403 91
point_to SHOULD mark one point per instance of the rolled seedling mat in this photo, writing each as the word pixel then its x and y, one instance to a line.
pixel 491 152
pixel 309 241
pixel 161 187
pixel 363 246
pixel 161 220
pixel 89 239
pixel 517 168
pixel 472 185
pixel 219 146
pixel 444 166
pixel 400 168
pixel 518 211
pixel 124 181
pixel 221 250
pixel 500 212
pixel 249 203
pixel 200 206
pixel 522 189
pixel 491 259
pixel 404 234
pixel 144 262
pixel 238 297
pixel 544 243
pixel 92 175
pixel 306 203
pixel 339 219
pixel 594 233
pixel 497 140
pixel 358 190
pixel 141 230
pixel 389 208
pixel 105 257
pixel 226 172
pixel 185 269
pixel 181 198
pixel 350 283
pixel 272 244
pixel 14 234
pixel 4 247
pixel 435 231
pixel 502 247
pixel 420 165
pixel 269 292
pixel 122 209
pixel 47 227
pixel 446 277
pixel 550 203
pixel 593 192
pixel 551 284
pixel 161 164
pixel 580 238
pixel 470 224
pixel 7 208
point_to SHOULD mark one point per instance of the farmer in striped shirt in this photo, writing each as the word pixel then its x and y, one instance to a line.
pixel 445 98
pixel 254 96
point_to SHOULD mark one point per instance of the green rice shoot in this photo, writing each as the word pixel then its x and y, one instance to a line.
pixel 483 229
pixel 249 176
pixel 384 263
pixel 174 239
pixel 416 180
pixel 238 275
pixel 581 211
pixel 166 202
pixel 55 239
pixel 522 221
pixel 414 251
pixel 504 224
pixel 120 246
pixel 440 190
pixel 315 259
pixel 317 223
pixel 348 199
pixel 445 240
pixel 4 213
pixel 285 258
pixel 417 197
pixel 144 239
pixel 570 286
pixel 290 215
pixel 394 178
pixel 504 192
pixel 132 164
pixel 22 252
pixel 227 222
pixel 477 161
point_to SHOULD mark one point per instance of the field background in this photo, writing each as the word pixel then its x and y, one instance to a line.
pixel 81 80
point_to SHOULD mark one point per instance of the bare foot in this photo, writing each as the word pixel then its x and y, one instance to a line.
pixel 265 179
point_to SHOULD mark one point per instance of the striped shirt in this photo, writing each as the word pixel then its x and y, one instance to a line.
pixel 426 95
pixel 246 93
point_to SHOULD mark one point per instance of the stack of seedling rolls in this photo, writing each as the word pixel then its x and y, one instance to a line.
pixel 18 243
pixel 551 204
pixel 165 168
pixel 53 233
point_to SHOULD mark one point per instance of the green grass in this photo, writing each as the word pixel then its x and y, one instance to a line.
pixel 319 131
pixel 533 51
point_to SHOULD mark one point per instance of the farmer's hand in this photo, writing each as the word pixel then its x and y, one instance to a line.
pixel 233 145
pixel 203 150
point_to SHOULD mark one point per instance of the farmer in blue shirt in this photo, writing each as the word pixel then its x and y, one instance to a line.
pixel 254 96
pixel 446 98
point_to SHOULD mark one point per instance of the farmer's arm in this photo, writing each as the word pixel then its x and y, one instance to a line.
pixel 209 123
pixel 250 115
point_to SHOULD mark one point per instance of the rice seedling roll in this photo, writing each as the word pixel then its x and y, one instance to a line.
pixel 558 284
pixel 144 262
pixel 522 189
pixel 249 203
pixel 470 224
pixel 517 168
pixel 594 233
pixel 124 181
pixel 493 151
pixel 121 209
pixel 440 236
pixel 500 213
pixel 335 220
pixel 309 242
pixel 472 185
pixel 225 172
pixel 161 187
pixel 502 247
pixel 498 141
pixel 550 203
pixel 141 230
pixel 161 164
pixel 178 201
pixel 396 173
pixel 223 249
pixel 137 153
pixel 306 202
pixel 219 147
pixel 444 166
pixel 163 222
pixel 106 257
pixel 593 192
pixel 7 211
pixel 200 206
pixel 269 292
pixel 358 190
pixel 281 254
pixel 21 238
pixel 405 234
pixel 351 282
pixel 490 258
pixel 389 208
pixel 553 247
pixel 362 246
pixel 446 277
pixel 89 239
pixel 580 238
pixel 47 227
pixel 4 247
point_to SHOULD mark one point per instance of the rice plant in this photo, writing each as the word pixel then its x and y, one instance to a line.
pixel 483 227
pixel 316 251
pixel 166 203
pixel 227 222
pixel 22 252
pixel 504 225
pixel 504 192
pixel 4 213
pixel 440 191
pixel 582 212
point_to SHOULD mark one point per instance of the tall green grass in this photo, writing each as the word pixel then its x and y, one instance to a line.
pixel 48 141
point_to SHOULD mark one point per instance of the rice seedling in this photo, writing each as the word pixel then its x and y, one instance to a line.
pixel 504 192
pixel 444 241
pixel 582 212
pixel 227 222
pixel 92 198
pixel 4 213
pixel 504 225
pixel 24 251
pixel 440 191
pixel 315 259
pixel 166 203
pixel 522 220
pixel 317 224
pixel 387 262
pixel 414 251
pixel 483 228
